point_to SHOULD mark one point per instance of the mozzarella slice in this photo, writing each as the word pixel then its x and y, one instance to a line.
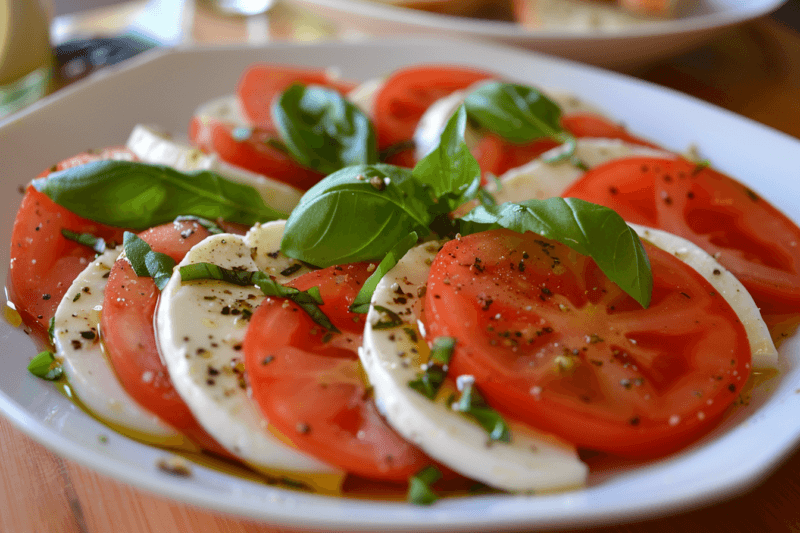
pixel 154 147
pixel 201 326
pixel 391 357
pixel 363 96
pixel 764 353
pixel 540 179
pixel 90 375
pixel 433 121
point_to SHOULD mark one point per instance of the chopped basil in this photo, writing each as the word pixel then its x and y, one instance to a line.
pixel 323 130
pixel 87 239
pixel 587 228
pixel 146 262
pixel 419 486
pixel 137 195
pixel 472 404
pixel 390 318
pixel 442 350
pixel 309 300
pixel 45 366
pixel 51 327
pixel 429 381
pixel 361 302
pixel 211 227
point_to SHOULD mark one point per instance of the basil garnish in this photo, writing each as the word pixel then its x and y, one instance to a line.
pixel 419 486
pixel 430 380
pixel 587 228
pixel 361 302
pixel 137 195
pixel 98 244
pixel 322 130
pixel 211 227
pixel 519 114
pixel 45 366
pixel 356 214
pixel 390 318
pixel 472 404
pixel 309 300
pixel 146 262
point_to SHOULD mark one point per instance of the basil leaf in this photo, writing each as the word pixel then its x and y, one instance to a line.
pixel 430 380
pixel 472 404
pixel 307 300
pixel 51 329
pixel 361 302
pixel 587 228
pixel 356 214
pixel 146 262
pixel 517 113
pixel 98 244
pixel 322 130
pixel 390 318
pixel 211 227
pixel 442 350
pixel 419 486
pixel 138 196
pixel 450 170
pixel 45 366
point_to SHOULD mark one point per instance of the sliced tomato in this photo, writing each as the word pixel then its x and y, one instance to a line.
pixel 751 238
pixel 254 152
pixel 261 82
pixel 552 342
pixel 496 155
pixel 44 262
pixel 309 384
pixel 407 93
pixel 129 336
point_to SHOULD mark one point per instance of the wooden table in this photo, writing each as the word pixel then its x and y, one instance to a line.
pixel 753 70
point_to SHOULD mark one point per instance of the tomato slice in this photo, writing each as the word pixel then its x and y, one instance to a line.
pixel 496 155
pixel 44 262
pixel 552 342
pixel 751 238
pixel 129 338
pixel 261 82
pixel 407 93
pixel 254 152
pixel 310 386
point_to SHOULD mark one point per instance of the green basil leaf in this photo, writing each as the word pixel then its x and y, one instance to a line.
pixel 442 350
pixel 472 404
pixel 309 300
pixel 98 244
pixel 323 130
pixel 419 486
pixel 146 262
pixel 389 319
pixel 356 214
pixel 361 302
pixel 517 113
pixel 429 381
pixel 587 228
pixel 450 170
pixel 51 329
pixel 211 227
pixel 45 366
pixel 138 196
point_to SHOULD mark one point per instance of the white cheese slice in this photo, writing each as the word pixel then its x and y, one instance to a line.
pixel 763 350
pixel 90 375
pixel 540 179
pixel 433 121
pixel 154 147
pixel 532 461
pixel 201 326
pixel 363 96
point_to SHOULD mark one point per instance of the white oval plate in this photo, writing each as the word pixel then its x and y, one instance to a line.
pixel 620 49
pixel 163 87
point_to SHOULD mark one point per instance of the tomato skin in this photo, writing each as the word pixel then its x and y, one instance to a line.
pixel 261 82
pixel 407 94
pixel 311 390
pixel 751 238
pixel 44 262
pixel 128 333
pixel 557 345
pixel 254 153
pixel 497 156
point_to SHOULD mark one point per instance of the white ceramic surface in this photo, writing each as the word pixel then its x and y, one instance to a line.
pixel 164 87
pixel 625 49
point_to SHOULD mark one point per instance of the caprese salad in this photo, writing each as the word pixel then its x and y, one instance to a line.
pixel 428 280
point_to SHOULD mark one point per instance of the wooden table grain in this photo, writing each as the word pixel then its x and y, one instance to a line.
pixel 753 70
